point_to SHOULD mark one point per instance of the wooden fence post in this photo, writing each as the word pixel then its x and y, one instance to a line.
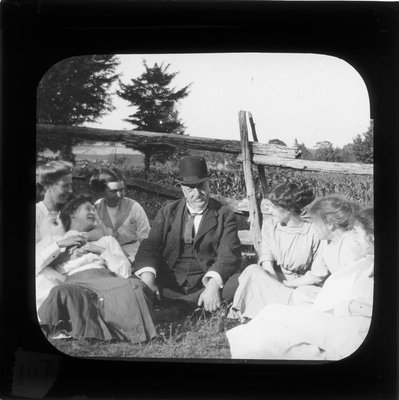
pixel 261 168
pixel 254 214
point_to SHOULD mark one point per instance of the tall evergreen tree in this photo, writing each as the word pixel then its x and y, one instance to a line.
pixel 156 103
pixel 73 91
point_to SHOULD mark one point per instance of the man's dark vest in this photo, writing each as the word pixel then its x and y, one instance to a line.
pixel 188 271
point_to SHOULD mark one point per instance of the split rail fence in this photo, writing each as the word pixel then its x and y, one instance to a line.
pixel 249 153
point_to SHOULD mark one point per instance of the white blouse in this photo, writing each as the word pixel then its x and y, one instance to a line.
pixel 292 248
pixel 48 223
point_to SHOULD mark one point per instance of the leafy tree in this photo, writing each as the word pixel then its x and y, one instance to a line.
pixel 306 154
pixel 326 152
pixel 277 141
pixel 156 108
pixel 363 145
pixel 74 91
pixel 348 154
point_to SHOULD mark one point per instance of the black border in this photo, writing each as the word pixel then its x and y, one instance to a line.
pixel 37 34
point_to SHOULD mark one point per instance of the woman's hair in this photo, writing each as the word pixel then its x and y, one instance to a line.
pixel 99 180
pixel 49 173
pixel 292 195
pixel 335 210
pixel 71 206
pixel 366 218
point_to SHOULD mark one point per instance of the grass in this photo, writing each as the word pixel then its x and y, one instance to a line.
pixel 198 335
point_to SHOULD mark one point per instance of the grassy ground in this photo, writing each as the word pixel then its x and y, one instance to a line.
pixel 180 335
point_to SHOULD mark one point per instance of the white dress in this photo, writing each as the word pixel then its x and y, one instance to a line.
pixel 293 249
pixel 324 331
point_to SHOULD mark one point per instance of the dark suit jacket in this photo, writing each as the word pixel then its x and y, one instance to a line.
pixel 216 244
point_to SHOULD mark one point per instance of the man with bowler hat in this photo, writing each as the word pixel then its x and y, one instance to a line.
pixel 192 252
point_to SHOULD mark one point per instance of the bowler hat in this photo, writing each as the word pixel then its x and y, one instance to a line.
pixel 193 170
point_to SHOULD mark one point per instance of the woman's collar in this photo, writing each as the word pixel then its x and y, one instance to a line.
pixel 302 230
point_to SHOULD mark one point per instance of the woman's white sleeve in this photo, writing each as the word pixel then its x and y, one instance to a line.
pixel 115 257
pixel 47 250
pixel 266 253
pixel 318 271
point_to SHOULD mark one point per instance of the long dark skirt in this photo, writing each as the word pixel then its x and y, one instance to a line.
pixel 98 304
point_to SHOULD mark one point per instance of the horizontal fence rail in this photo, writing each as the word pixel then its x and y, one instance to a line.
pixel 315 166
pixel 262 154
pixel 134 138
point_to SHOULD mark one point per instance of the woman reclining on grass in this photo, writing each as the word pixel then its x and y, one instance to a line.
pixel 114 305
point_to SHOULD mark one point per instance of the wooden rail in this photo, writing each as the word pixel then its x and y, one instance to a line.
pixel 134 138
pixel 316 166
pixel 262 154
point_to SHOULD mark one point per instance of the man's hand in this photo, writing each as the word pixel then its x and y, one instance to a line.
pixel 149 279
pixel 210 297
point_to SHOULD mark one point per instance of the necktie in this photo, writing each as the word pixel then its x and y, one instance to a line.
pixel 189 229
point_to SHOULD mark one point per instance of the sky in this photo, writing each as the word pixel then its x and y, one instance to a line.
pixel 308 97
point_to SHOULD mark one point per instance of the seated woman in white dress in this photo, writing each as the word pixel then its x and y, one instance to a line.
pixel 331 328
pixel 120 306
pixel 289 246
pixel 120 217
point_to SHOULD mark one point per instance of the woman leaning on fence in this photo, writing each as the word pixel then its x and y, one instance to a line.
pixel 288 248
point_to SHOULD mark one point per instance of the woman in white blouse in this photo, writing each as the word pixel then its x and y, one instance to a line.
pixel 120 217
pixel 289 246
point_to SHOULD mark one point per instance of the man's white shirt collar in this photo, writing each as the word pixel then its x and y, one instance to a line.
pixel 191 210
